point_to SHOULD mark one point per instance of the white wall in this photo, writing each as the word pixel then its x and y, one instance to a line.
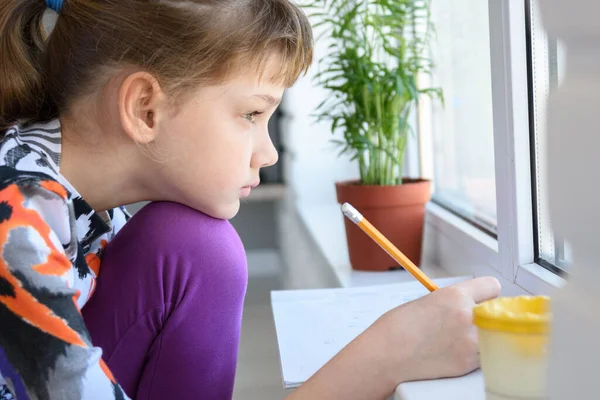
pixel 573 147
pixel 312 166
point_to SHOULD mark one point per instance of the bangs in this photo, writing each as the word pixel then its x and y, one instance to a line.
pixel 280 32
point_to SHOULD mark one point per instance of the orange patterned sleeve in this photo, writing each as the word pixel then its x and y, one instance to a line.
pixel 46 340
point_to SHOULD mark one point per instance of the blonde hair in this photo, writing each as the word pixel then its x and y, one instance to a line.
pixel 184 43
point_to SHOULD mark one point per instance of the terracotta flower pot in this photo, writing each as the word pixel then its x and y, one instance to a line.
pixel 397 211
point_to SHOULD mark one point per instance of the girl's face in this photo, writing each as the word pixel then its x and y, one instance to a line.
pixel 212 148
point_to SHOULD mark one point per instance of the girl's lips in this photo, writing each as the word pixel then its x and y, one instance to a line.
pixel 245 191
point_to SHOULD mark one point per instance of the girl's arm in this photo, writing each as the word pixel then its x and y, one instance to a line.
pixel 429 338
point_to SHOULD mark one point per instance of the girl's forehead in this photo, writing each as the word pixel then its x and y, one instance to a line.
pixel 246 83
pixel 270 71
pixel 252 80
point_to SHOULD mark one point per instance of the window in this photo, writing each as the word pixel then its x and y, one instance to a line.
pixel 462 130
pixel 546 58
pixel 485 148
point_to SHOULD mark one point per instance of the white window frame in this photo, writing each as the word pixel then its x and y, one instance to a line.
pixel 511 257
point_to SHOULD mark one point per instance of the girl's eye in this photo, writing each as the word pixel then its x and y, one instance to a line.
pixel 250 116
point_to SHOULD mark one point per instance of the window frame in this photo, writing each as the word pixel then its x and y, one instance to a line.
pixel 512 256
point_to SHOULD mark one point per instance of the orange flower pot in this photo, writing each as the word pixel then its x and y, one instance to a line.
pixel 397 211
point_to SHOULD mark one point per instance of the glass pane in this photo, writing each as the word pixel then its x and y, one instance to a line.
pixel 463 138
pixel 547 62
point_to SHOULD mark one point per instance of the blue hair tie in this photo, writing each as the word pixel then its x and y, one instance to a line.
pixel 55 5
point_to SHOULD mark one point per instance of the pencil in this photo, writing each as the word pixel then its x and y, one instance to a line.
pixel 388 246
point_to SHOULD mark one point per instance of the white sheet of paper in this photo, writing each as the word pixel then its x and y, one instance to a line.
pixel 314 325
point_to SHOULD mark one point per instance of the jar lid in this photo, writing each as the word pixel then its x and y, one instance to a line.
pixel 521 314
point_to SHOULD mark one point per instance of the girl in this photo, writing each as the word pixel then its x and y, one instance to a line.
pixel 162 100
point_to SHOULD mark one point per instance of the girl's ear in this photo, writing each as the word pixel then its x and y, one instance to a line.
pixel 141 103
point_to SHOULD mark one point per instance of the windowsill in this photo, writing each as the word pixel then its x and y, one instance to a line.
pixel 325 223
pixel 538 280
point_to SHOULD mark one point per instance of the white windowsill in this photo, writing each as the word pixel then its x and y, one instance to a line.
pixel 538 280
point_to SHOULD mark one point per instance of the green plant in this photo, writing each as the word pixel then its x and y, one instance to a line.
pixel 378 50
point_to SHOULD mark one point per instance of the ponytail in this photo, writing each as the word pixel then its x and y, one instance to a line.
pixel 22 81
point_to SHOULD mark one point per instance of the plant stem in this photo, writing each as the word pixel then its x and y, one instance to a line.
pixel 380 136
pixel 362 165
pixel 401 145
pixel 390 167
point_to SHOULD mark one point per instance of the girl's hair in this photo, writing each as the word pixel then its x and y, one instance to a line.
pixel 184 43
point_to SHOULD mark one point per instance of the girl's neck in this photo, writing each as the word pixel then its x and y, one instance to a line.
pixel 103 167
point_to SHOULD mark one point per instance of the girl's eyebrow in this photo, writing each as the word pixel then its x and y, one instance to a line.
pixel 270 100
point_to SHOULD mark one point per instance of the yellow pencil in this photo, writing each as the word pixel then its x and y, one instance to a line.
pixel 388 246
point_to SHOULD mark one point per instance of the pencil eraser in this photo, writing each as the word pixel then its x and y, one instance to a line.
pixel 352 213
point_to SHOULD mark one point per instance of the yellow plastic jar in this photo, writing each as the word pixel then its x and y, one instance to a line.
pixel 513 346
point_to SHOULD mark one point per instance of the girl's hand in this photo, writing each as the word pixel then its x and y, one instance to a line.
pixel 429 338
pixel 434 336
